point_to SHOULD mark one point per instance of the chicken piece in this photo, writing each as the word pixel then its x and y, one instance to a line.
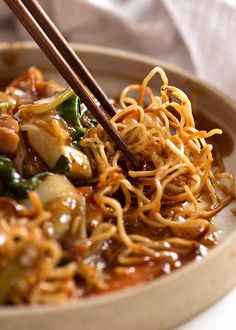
pixel 9 137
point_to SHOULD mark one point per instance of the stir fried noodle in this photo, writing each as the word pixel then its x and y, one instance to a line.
pixel 121 226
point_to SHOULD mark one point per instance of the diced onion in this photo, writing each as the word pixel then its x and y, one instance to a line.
pixel 55 187
pixel 80 165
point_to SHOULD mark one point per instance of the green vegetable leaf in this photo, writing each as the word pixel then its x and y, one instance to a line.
pixel 69 110
pixel 15 184
pixel 62 165
pixel 87 115
pixel 19 186
pixel 5 168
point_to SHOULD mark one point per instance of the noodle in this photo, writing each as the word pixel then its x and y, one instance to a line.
pixel 159 216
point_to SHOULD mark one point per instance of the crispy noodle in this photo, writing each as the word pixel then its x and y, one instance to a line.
pixel 157 216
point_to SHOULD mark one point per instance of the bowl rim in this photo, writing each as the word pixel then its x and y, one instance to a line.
pixel 82 303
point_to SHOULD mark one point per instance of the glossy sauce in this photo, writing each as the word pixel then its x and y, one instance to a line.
pixel 148 270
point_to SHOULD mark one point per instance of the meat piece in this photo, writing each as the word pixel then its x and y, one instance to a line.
pixel 31 86
pixel 26 81
pixel 9 137
pixel 34 164
pixel 47 88
pixel 26 161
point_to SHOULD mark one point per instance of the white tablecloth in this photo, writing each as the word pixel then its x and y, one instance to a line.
pixel 220 316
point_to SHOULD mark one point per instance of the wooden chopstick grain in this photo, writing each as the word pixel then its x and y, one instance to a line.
pixel 57 59
pixel 66 50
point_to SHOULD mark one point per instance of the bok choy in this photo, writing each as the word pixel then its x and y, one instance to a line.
pixel 60 197
pixel 19 186
pixel 72 111
pixel 45 105
pixel 51 148
pixel 69 110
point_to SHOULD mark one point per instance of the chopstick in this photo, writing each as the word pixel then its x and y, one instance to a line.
pixel 51 50
pixel 68 53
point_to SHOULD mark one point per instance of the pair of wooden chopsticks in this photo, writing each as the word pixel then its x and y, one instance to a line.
pixel 62 56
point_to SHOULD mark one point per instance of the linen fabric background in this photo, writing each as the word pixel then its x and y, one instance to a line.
pixel 199 36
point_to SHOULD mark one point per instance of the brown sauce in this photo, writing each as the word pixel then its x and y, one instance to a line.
pixel 4 83
pixel 146 271
pixel 223 146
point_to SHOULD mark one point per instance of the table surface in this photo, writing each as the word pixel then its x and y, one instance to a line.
pixel 220 316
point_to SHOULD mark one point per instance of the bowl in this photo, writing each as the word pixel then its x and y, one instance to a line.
pixel 170 299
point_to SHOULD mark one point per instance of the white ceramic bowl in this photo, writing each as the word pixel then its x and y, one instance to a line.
pixel 168 300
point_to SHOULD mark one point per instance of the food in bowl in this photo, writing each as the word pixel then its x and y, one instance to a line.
pixel 76 219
